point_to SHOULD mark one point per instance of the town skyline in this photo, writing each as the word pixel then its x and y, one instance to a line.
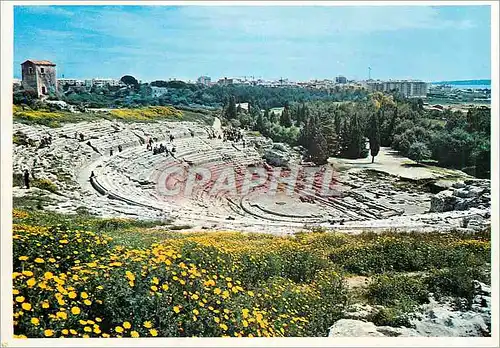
pixel 428 43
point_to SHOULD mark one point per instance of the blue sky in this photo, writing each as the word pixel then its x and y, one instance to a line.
pixel 159 42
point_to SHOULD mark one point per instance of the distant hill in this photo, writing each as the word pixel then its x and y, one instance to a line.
pixel 463 82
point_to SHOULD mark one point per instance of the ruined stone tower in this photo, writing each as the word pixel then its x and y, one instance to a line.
pixel 39 76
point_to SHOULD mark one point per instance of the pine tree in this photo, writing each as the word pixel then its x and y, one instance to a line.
pixel 260 123
pixel 285 118
pixel 356 139
pixel 230 112
pixel 374 135
pixel 319 148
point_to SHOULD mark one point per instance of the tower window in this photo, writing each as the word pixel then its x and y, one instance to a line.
pixel 30 70
pixel 42 70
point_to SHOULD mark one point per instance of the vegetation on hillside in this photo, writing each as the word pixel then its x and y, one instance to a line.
pixel 132 281
pixel 52 117
pixel 324 129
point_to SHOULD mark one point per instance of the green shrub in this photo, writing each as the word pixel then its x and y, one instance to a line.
pixel 391 316
pixel 44 184
pixel 409 253
pixel 456 282
pixel 391 290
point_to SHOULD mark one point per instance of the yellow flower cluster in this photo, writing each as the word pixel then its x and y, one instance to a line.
pixel 73 284
pixel 146 113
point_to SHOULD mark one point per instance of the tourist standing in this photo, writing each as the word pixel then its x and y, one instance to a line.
pixel 26 176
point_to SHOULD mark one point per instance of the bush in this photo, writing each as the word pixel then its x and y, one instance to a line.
pixel 392 316
pixel 391 290
pixel 44 184
pixel 456 282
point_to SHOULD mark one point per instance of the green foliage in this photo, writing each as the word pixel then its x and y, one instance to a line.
pixel 285 118
pixel 456 282
pixel 230 109
pixel 410 253
pixel 401 290
pixel 395 316
pixel 129 80
pixel 44 184
pixel 374 135
pixel 418 152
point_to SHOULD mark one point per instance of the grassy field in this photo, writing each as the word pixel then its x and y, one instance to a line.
pixel 55 119
pixel 135 279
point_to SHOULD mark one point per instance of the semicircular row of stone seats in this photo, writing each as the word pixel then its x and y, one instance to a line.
pixel 131 175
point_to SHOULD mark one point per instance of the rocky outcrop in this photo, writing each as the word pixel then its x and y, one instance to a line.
pixel 358 328
pixel 434 319
pixel 278 155
pixel 463 196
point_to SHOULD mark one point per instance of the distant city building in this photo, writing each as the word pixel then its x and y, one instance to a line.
pixel 204 80
pixel 243 106
pixel 158 91
pixel 70 82
pixel 39 76
pixel 225 81
pixel 99 82
pixel 341 79
pixel 410 89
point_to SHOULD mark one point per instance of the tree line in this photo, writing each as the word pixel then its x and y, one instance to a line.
pixel 358 129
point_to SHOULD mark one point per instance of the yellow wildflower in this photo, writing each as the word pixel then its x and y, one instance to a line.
pixel 62 315
pixel 119 329
pixel 48 333
pixel 35 321
pixel 127 325
pixel 134 334
pixel 153 332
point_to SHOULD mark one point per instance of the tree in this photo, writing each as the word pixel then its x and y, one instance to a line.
pixel 313 139
pixel 318 149
pixel 285 118
pixel 129 81
pixel 374 136
pixel 230 112
pixel 356 143
pixel 419 151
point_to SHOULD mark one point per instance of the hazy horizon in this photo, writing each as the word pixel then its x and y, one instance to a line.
pixel 429 43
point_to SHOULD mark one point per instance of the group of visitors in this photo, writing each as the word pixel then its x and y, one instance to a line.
pixel 120 149
pixel 45 141
pixel 163 149
pixel 232 134
pixel 79 135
